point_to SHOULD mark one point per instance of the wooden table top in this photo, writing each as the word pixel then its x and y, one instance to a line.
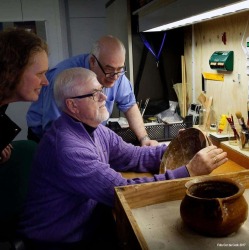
pixel 228 167
pixel 237 161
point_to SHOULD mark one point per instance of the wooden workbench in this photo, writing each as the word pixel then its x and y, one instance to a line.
pixel 228 167
pixel 238 160
pixel 147 215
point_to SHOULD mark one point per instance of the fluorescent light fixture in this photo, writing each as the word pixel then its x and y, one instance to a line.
pixel 230 9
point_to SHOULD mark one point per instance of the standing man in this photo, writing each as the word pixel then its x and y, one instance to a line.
pixel 107 61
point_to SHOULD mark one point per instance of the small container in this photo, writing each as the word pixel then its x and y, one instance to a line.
pixel 233 138
pixel 212 123
pixel 151 119
pixel 244 140
pixel 202 115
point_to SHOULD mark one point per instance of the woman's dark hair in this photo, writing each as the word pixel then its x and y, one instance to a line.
pixel 17 46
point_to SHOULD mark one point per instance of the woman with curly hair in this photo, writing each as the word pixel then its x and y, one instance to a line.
pixel 23 64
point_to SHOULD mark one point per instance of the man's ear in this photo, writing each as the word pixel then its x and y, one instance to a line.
pixel 91 62
pixel 72 106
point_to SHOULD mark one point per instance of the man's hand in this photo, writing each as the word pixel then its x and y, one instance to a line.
pixel 136 124
pixel 206 160
pixel 149 142
pixel 5 154
pixel 146 141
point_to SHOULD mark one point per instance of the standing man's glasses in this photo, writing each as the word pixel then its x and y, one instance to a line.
pixel 110 74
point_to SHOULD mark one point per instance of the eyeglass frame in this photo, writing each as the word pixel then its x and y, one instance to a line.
pixel 111 74
pixel 99 91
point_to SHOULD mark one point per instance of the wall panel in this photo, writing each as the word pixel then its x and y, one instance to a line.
pixel 231 95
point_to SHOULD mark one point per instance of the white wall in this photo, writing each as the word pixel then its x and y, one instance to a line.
pixel 119 25
pixel 50 11
pixel 87 22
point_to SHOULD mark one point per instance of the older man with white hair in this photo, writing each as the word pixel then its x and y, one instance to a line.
pixel 71 193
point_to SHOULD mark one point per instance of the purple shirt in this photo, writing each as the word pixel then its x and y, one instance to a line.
pixel 73 172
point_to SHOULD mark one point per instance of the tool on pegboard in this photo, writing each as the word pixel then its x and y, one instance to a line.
pixel 211 76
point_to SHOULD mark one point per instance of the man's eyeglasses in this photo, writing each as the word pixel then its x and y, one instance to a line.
pixel 96 95
pixel 110 74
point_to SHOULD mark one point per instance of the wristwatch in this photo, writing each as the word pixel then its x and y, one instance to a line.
pixel 145 138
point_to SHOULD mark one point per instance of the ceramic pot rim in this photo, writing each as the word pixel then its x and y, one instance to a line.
pixel 202 179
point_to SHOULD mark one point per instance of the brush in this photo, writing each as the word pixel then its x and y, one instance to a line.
pixel 244 135
pixel 241 121
pixel 230 120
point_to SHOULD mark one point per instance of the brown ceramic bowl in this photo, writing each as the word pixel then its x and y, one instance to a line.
pixel 214 206
pixel 183 148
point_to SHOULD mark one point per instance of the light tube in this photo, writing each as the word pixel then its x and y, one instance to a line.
pixel 230 9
